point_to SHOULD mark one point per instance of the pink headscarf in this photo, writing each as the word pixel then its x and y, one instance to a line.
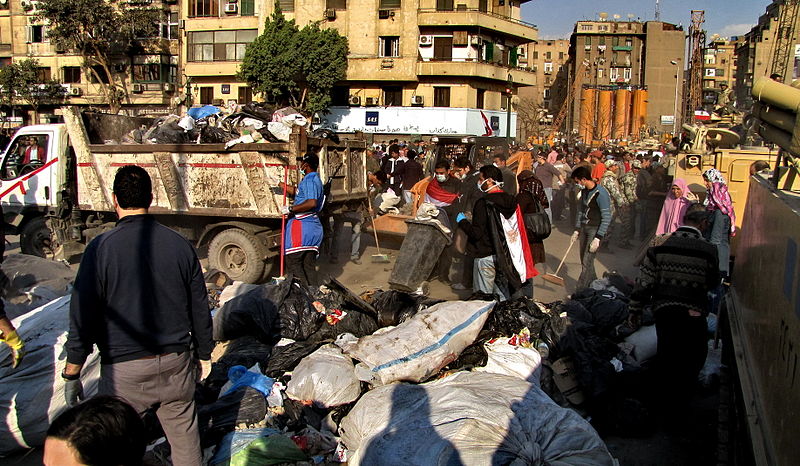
pixel 674 209
pixel 552 157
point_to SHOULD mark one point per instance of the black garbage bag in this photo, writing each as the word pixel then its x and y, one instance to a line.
pixel 324 133
pixel 395 307
pixel 270 312
pixel 244 406
pixel 215 135
pixel 343 312
pixel 591 354
pixel 245 351
pixel 166 131
pixel 601 308
pixel 286 358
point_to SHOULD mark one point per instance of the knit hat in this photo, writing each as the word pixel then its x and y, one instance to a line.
pixel 610 163
pixel 636 164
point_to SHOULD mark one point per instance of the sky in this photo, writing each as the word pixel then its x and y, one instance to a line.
pixel 556 18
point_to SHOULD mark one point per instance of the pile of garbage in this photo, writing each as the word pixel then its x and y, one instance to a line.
pixel 236 124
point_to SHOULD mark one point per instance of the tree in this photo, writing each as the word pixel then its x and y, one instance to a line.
pixel 102 32
pixel 21 81
pixel 296 67
pixel 530 116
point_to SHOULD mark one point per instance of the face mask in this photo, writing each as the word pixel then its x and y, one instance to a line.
pixel 461 176
pixel 302 172
pixel 441 178
pixel 480 186
pixel 495 164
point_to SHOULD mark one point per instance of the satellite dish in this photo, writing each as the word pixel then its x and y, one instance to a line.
pixel 603 16
pixel 617 16
pixel 631 16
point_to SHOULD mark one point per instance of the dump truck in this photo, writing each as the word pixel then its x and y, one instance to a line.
pixel 57 195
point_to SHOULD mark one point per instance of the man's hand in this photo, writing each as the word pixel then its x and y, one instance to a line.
pixel 460 217
pixel 203 369
pixel 285 210
pixel 574 236
pixel 73 391
pixel 16 345
pixel 595 245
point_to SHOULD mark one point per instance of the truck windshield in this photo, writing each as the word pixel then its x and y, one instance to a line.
pixel 25 154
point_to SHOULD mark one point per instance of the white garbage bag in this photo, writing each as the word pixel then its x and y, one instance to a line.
pixel 468 418
pixel 32 395
pixel 421 346
pixel 325 378
pixel 514 360
pixel 645 343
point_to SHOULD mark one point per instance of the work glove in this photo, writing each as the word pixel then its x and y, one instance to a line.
pixel 285 210
pixel 73 392
pixel 460 217
pixel 575 236
pixel 16 345
pixel 594 245
pixel 203 370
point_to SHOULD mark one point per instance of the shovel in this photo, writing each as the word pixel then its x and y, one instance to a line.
pixel 377 258
pixel 553 277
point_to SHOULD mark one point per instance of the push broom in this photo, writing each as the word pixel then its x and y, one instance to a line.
pixel 553 277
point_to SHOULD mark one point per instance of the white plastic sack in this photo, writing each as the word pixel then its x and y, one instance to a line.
pixel 418 348
pixel 468 418
pixel 513 360
pixel 326 378
pixel 233 290
pixel 645 343
pixel 32 395
pixel 279 130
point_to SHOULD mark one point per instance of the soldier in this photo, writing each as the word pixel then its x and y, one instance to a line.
pixel 618 201
pixel 627 184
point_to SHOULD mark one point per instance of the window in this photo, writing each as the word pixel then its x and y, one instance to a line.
pixel 336 4
pixel 602 40
pixel 22 155
pixel 600 73
pixel 220 45
pixel 720 72
pixel 615 41
pixel 548 56
pixel 154 68
pixel 547 93
pixel 247 7
pixel 483 6
pixel 441 96
pixel 548 67
pixel 286 5
pixel 393 96
pixel 340 95
pixel 42 74
pixel 245 95
pixel 72 74
pixel 389 46
pixel 480 98
pixel 389 4
pixel 488 51
pixel 444 5
pixel 548 80
pixel 36 34
pixel 206 95
pixel 203 8
pixel 560 67
pixel 560 55
pixel 536 55
pixel 626 74
pixel 628 43
pixel 169 26
pixel 443 48
pixel 588 41
pixel 586 27
pixel 613 74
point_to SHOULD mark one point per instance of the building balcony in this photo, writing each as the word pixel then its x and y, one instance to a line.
pixel 211 68
pixel 372 68
pixel 476 69
pixel 472 18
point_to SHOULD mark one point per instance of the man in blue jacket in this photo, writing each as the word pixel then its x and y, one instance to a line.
pixel 594 218
pixel 304 230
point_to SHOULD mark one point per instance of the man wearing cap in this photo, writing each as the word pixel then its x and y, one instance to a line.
pixel 304 230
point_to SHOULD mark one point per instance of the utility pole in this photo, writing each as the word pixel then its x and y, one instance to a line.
pixel 509 93
pixel 694 85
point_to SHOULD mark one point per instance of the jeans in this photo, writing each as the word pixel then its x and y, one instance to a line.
pixel 588 274
pixel 549 193
pixel 484 278
pixel 356 220
pixel 682 350
pixel 301 266
pixel 720 236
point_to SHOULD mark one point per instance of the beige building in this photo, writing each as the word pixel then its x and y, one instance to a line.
pixel 548 59
pixel 150 78
pixel 631 55
pixel 406 59
pixel 719 67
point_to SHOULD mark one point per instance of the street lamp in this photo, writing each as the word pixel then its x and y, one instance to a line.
pixel 677 86
pixel 509 91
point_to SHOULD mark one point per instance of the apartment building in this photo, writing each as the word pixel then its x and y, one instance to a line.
pixel 150 76
pixel 548 59
pixel 719 67
pixel 415 66
pixel 629 56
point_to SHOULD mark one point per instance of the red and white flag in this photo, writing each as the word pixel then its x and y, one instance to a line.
pixel 438 196
pixel 517 240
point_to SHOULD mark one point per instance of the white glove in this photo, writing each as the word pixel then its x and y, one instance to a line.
pixel 575 236
pixel 595 245
pixel 285 210
pixel 205 369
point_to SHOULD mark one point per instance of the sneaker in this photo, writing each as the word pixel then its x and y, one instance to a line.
pixel 355 260
pixel 459 287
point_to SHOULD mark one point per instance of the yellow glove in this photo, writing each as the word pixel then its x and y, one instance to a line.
pixel 17 346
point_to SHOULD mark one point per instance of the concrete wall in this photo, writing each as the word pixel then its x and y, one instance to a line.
pixel 662 47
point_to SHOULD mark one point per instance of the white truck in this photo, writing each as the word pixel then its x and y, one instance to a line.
pixel 56 183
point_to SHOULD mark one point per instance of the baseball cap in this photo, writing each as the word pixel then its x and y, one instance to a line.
pixel 310 159
pixel 610 163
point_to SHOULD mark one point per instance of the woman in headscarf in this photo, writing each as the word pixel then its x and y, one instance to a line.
pixel 723 219
pixel 531 192
pixel 675 205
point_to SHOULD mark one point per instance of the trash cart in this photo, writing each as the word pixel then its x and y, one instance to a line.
pixel 419 254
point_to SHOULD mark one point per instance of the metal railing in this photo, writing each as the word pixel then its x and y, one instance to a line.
pixel 477 10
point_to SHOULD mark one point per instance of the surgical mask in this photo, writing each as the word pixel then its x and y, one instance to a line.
pixel 461 176
pixel 480 186
pixel 302 172
pixel 441 178
pixel 495 165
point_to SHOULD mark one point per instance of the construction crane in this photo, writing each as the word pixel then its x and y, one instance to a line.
pixel 694 85
pixel 571 91
pixel 783 45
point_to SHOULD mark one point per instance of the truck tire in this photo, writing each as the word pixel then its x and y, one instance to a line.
pixel 34 239
pixel 239 254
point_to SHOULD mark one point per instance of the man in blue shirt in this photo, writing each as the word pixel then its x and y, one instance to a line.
pixel 594 218
pixel 304 230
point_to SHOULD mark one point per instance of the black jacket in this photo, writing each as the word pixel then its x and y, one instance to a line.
pixel 469 192
pixel 479 236
pixel 139 292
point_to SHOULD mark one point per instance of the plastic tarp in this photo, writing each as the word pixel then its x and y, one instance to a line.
pixel 420 347
pixel 325 378
pixel 468 418
pixel 32 395
pixel 32 282
pixel 256 446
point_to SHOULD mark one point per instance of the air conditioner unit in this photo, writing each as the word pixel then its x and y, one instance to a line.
pixel 231 8
pixel 417 100
pixel 425 40
pixel 371 101
pixel 355 100
pixel 330 14
pixel 501 47
pixel 138 88
pixel 385 14
pixel 587 48
pixel 475 40
pixel 169 87
pixel 75 91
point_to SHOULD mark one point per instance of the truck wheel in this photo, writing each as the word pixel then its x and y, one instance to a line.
pixel 237 253
pixel 34 239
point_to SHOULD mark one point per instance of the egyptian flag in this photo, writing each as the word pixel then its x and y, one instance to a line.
pixel 439 196
pixel 516 238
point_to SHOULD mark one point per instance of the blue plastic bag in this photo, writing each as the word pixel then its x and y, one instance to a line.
pixel 241 377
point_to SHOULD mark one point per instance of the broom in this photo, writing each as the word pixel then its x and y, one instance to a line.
pixel 377 258
pixel 553 277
